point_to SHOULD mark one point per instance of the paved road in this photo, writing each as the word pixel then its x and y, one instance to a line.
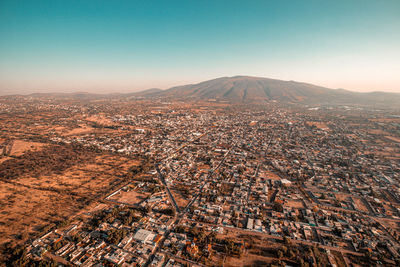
pixel 179 213
pixel 171 197
pixel 253 177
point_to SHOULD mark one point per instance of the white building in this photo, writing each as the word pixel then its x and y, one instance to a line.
pixel 144 236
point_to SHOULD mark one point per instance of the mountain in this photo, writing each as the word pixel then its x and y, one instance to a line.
pixel 75 95
pixel 247 89
pixel 88 96
pixel 144 93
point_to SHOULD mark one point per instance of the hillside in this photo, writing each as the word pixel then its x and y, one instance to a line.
pixel 243 89
pixel 254 89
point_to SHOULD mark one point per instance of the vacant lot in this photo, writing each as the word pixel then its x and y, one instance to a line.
pixel 296 204
pixel 180 199
pixel 359 205
pixel 393 138
pixel 270 175
pixel 132 197
pixel 52 159
pixel 318 124
pixel 259 251
pixel 26 211
pixel 19 147
pixel 100 119
pixel 31 201
pixel 83 129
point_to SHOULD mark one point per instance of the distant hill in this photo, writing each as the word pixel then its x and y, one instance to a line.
pixel 76 95
pixel 254 89
pixel 92 96
pixel 144 93
pixel 246 89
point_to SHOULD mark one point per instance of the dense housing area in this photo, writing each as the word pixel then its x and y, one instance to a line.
pixel 155 183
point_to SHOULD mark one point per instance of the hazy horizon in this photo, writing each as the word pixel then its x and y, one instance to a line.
pixel 128 46
pixel 96 91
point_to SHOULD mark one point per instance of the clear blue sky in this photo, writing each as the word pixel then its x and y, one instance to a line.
pixel 111 45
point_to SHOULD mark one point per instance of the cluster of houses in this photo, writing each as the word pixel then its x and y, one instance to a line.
pixel 279 172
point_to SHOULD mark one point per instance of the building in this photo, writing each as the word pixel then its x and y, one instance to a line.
pixel 144 236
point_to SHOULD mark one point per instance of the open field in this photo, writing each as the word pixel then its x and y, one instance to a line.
pixel 270 175
pixel 342 196
pixel 296 204
pixel 30 203
pixel 358 203
pixel 390 224
pixel 4 159
pixel 257 251
pixel 377 132
pixel 131 197
pixel 100 119
pixel 319 125
pixel 19 147
pixel 25 211
pixel 181 201
pixel 248 260
pixel 393 138
pixel 81 130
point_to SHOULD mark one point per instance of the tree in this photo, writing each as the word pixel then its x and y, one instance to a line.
pixel 280 254
pixel 180 229
pixel 284 250
pixel 368 256
pixel 292 254
pixel 287 241
pixel 277 207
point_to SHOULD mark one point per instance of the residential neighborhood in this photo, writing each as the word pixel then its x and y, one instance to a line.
pixel 220 185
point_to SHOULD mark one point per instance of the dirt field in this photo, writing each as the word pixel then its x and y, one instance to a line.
pixel 341 196
pixel 391 224
pixel 270 175
pixel 26 210
pixel 319 125
pixel 132 197
pixel 100 120
pixel 377 131
pixel 180 200
pixel 4 159
pixel 297 204
pixel 393 138
pixel 20 146
pixel 29 204
pixel 248 260
pixel 260 253
pixel 81 130
pixel 359 204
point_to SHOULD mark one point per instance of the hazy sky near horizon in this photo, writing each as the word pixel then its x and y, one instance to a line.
pixel 120 46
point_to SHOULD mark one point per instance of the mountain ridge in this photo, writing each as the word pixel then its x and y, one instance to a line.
pixel 248 89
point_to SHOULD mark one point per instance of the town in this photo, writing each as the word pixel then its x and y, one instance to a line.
pixel 213 184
